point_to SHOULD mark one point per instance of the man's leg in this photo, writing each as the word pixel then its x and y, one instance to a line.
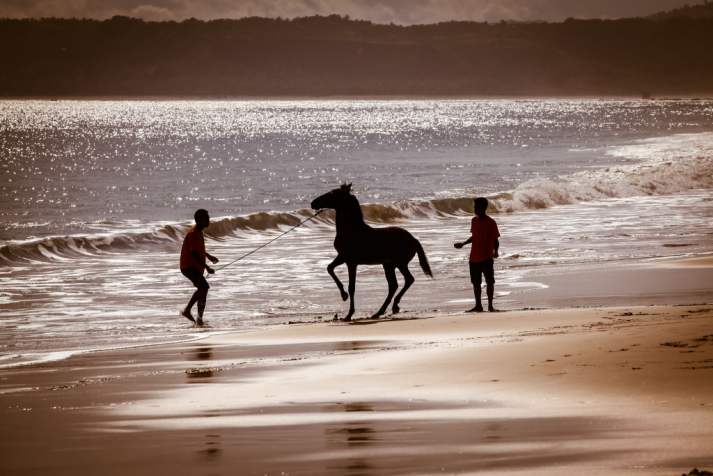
pixel 489 273
pixel 477 290
pixel 490 291
pixel 199 296
pixel 194 299
pixel 202 297
pixel 476 278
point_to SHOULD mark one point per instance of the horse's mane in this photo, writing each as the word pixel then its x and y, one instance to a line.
pixel 352 207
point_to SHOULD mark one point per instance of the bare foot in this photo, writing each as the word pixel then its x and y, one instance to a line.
pixel 199 322
pixel 187 315
pixel 476 309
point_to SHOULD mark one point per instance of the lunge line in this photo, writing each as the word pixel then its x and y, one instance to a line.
pixel 277 238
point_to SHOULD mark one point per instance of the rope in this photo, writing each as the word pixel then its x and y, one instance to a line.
pixel 277 238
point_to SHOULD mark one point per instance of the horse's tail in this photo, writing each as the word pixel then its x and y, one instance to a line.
pixel 422 260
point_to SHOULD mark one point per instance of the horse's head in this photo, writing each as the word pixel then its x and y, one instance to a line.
pixel 337 198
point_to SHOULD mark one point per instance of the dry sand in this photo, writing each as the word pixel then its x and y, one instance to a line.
pixel 583 391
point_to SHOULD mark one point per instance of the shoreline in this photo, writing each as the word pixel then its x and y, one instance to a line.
pixel 621 390
pixel 71 353
pixel 605 97
pixel 652 275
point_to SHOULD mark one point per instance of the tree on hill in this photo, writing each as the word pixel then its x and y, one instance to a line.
pixel 695 11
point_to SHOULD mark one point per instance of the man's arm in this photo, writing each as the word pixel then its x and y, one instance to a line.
pixel 495 250
pixel 197 257
pixel 461 245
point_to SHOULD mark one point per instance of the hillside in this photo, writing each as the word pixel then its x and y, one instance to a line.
pixel 696 11
pixel 318 56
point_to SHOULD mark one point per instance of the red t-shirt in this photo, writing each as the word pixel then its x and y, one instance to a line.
pixel 484 234
pixel 193 242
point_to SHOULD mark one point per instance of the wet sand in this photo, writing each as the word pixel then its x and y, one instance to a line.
pixel 641 282
pixel 704 262
pixel 594 391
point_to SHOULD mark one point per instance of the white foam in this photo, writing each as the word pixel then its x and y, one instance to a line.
pixel 667 165
pixel 29 359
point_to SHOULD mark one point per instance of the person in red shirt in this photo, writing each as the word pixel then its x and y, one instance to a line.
pixel 485 248
pixel 193 263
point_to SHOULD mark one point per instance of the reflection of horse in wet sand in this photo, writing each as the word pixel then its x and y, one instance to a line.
pixel 358 243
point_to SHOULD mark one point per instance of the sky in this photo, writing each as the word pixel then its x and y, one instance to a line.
pixel 404 12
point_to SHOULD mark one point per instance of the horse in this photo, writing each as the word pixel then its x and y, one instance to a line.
pixel 358 243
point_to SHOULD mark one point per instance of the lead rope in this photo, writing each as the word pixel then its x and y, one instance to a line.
pixel 277 238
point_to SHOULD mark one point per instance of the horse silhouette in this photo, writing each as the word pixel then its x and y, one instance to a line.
pixel 358 243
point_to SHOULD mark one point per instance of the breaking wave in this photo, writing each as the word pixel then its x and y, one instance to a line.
pixel 665 166
pixel 669 165
pixel 71 247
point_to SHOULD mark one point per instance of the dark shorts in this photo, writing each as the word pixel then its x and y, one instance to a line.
pixel 196 277
pixel 480 269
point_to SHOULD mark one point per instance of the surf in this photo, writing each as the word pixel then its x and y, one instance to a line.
pixel 660 166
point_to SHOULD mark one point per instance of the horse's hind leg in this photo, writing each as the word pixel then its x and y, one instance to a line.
pixel 390 272
pixel 352 286
pixel 408 278
pixel 338 261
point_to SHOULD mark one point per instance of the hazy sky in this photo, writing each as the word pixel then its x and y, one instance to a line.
pixel 382 11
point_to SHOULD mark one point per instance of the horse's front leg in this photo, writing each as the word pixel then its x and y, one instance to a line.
pixel 352 286
pixel 338 261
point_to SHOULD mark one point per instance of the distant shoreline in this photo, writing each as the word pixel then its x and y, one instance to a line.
pixel 371 97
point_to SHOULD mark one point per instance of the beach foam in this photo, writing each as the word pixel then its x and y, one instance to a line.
pixel 667 165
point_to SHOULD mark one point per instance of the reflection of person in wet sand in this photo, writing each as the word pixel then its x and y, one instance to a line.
pixel 485 248
pixel 193 256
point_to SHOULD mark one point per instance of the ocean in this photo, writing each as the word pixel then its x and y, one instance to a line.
pixel 97 195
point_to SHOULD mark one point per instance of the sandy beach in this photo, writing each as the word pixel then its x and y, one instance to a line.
pixel 599 363
pixel 625 390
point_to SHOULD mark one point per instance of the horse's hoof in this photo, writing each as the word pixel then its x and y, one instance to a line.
pixel 345 296
pixel 395 310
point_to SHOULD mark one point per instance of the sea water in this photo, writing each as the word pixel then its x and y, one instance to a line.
pixel 96 196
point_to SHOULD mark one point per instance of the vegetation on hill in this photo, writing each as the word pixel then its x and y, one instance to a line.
pixel 317 56
pixel 695 11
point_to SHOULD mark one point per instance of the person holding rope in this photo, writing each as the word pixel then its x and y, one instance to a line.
pixel 193 256
pixel 193 263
